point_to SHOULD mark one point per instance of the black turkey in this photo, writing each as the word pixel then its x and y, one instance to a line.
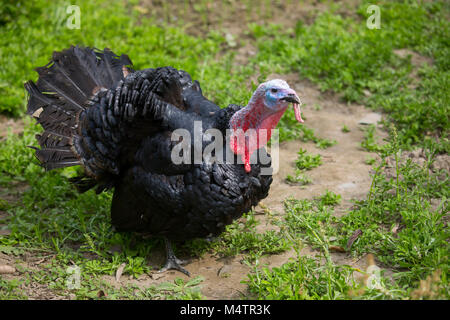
pixel 122 126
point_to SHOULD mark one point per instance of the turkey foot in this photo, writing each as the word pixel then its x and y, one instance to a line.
pixel 173 262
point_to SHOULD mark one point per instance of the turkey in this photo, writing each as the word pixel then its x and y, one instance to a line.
pixel 125 129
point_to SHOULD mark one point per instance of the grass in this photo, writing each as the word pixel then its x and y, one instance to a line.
pixel 305 278
pixel 403 232
pixel 9 290
pixel 307 161
pixel 290 129
pixel 404 219
pixel 369 142
pixel 299 178
pixel 400 226
pixel 241 237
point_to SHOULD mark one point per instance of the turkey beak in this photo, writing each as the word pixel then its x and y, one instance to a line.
pixel 292 97
pixel 295 100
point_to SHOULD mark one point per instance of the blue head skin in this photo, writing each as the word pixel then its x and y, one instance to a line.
pixel 271 97
pixel 275 96
pixel 278 95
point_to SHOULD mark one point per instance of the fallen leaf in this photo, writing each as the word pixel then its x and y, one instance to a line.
pixel 336 248
pixel 352 239
pixel 225 271
pixel 5 269
pixel 120 271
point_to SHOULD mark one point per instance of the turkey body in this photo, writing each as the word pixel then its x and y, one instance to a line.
pixel 198 203
pixel 118 125
pixel 180 202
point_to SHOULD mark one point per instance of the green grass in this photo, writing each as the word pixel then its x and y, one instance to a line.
pixel 241 237
pixel 291 129
pixel 401 224
pixel 307 161
pixel 299 178
pixel 369 142
pixel 398 222
pixel 307 279
pixel 9 290
pixel 39 28
pixel 402 230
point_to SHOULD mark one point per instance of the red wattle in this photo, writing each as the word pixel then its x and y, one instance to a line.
pixel 252 130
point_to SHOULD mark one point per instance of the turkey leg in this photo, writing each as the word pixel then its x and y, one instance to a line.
pixel 172 262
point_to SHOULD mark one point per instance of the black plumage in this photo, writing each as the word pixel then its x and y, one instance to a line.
pixel 117 123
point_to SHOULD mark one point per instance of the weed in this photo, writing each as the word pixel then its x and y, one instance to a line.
pixel 345 129
pixel 299 178
pixel 10 290
pixel 307 161
pixel 179 290
pixel 325 143
pixel 241 237
pixel 330 198
pixel 398 223
pixel 369 160
pixel 369 142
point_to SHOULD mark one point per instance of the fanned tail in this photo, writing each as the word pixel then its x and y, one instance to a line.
pixel 63 91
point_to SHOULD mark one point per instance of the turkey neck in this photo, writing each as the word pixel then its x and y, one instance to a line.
pixel 258 117
pixel 251 128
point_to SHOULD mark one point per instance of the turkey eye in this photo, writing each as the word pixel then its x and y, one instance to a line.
pixel 274 90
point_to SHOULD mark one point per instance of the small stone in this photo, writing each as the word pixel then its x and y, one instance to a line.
pixel 5 269
pixel 347 185
pixel 371 118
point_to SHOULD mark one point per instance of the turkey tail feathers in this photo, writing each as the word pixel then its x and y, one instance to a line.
pixel 63 91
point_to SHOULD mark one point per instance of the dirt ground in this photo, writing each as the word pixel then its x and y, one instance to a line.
pixel 230 16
